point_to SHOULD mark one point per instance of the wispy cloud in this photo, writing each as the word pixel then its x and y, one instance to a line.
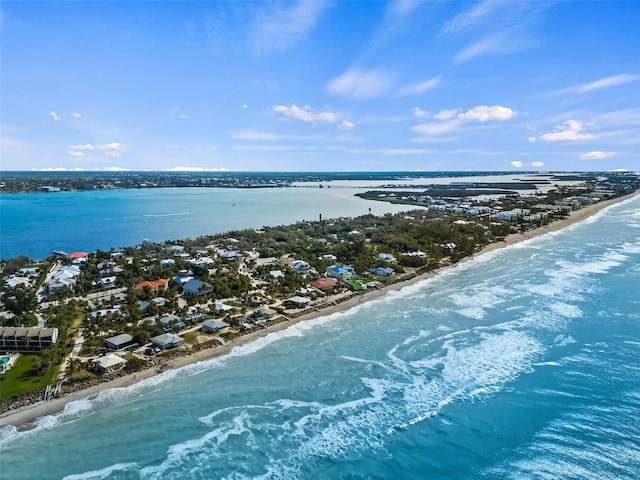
pixel 256 136
pixel 76 115
pixel 279 26
pixel 600 84
pixel 361 84
pixel 569 131
pixel 519 164
pixel 305 114
pixel 54 115
pixel 396 17
pixel 597 155
pixel 418 88
pixel 470 18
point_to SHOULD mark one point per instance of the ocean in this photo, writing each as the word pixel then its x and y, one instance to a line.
pixel 523 363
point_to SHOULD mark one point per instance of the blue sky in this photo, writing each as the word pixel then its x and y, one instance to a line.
pixel 322 86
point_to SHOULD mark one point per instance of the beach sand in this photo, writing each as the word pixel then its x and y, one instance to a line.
pixel 23 416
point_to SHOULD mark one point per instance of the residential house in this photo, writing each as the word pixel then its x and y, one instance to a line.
pixel 386 257
pixel 297 302
pixel 160 284
pixel 197 287
pixel 119 341
pixel 167 262
pixel 301 267
pixel 327 258
pixel 213 326
pixel 232 256
pixel 166 341
pixel 325 283
pixel 109 363
pixel 264 313
pixel 342 272
pixel 382 271
pixel 65 277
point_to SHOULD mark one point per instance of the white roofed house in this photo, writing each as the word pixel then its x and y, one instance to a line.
pixel 65 277
pixel 213 326
pixel 301 267
pixel 109 363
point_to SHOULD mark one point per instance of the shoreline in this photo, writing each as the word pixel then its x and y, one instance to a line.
pixel 23 417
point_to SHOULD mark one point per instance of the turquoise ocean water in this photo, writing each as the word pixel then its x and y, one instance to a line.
pixel 522 363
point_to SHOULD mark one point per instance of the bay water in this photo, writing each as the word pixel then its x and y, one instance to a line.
pixel 521 363
pixel 35 224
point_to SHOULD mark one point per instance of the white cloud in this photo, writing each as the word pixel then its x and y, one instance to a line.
pixel 212 148
pixel 112 150
pixel 278 26
pixel 58 169
pixel 597 155
pixel 54 115
pixel 76 115
pixel 418 112
pixel 346 125
pixel 183 116
pixel 361 84
pixel 115 169
pixel 537 164
pixel 244 106
pixel 87 146
pixel 437 128
pixel 196 169
pixel 517 164
pixel 418 88
pixel 607 82
pixel 445 114
pixel 305 114
pixel 484 113
pixel 75 153
pixel 568 131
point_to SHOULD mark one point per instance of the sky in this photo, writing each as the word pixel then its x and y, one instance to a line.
pixel 320 86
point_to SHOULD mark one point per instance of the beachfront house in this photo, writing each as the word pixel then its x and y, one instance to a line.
pixel 166 341
pixel 263 313
pixel 325 284
pixel 213 326
pixel 109 363
pixel 297 302
pixel 382 271
pixel 197 287
pixel 119 341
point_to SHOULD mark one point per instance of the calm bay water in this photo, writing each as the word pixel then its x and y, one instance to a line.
pixel 35 224
pixel 523 363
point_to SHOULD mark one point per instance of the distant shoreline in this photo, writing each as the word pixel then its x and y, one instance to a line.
pixel 23 416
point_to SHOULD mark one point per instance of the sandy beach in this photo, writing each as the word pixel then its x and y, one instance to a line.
pixel 23 416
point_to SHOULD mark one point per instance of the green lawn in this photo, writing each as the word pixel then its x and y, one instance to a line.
pixel 357 282
pixel 20 380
